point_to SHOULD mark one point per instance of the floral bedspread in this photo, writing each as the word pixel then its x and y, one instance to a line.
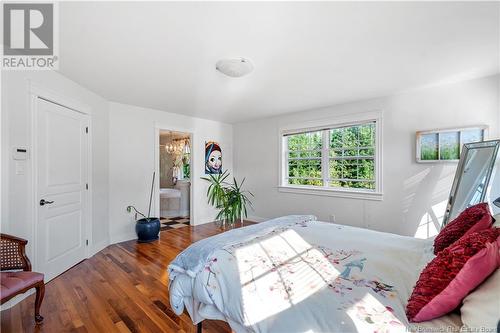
pixel 307 277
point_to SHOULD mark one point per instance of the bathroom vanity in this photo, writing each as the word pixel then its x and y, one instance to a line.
pixel 175 201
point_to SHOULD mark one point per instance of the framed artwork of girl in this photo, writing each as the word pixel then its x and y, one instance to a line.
pixel 213 158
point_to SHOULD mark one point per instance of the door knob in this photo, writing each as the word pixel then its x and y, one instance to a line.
pixel 43 202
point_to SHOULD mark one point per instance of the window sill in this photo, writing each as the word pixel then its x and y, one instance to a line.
pixel 330 192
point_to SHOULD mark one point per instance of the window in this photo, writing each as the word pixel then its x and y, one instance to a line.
pixel 304 158
pixel 337 158
pixel 446 145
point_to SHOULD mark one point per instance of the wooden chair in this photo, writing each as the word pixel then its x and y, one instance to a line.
pixel 13 257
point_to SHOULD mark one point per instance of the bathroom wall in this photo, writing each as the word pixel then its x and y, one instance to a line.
pixel 166 163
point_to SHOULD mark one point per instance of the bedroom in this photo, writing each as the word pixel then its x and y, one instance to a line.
pixel 392 80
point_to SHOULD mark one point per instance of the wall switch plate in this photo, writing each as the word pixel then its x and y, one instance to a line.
pixel 20 153
pixel 20 167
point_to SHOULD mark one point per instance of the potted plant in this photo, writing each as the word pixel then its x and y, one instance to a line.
pixel 229 198
pixel 147 228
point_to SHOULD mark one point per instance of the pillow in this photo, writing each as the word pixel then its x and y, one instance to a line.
pixel 453 273
pixel 481 308
pixel 496 221
pixel 474 218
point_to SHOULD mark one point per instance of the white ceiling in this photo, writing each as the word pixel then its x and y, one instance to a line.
pixel 166 136
pixel 162 55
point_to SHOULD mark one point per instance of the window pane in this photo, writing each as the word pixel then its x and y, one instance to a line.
pixel 449 145
pixel 304 158
pixel 352 149
pixel 350 169
pixel 366 169
pixel 350 159
pixel 474 135
pixel 336 138
pixel 351 152
pixel 336 152
pixel 353 136
pixel 356 169
pixel 336 169
pixel 367 152
pixel 350 136
pixel 353 184
pixel 304 168
pixel 367 135
pixel 305 141
pixel 304 154
pixel 310 182
pixel 429 147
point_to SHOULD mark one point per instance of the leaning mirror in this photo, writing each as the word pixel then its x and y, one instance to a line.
pixel 472 177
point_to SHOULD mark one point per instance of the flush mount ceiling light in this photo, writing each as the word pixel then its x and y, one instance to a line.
pixel 237 67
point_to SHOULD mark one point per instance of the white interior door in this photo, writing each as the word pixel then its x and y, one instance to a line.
pixel 61 162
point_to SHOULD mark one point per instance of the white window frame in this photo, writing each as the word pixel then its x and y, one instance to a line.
pixel 321 124
pixel 459 130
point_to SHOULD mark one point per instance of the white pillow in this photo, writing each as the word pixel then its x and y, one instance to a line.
pixel 481 308
pixel 497 221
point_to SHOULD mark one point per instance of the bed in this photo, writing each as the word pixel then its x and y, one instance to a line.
pixel 297 274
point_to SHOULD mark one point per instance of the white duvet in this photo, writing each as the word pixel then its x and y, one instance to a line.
pixel 306 277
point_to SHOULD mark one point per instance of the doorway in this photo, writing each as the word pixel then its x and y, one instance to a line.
pixel 61 178
pixel 174 179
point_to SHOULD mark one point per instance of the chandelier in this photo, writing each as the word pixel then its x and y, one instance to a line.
pixel 178 146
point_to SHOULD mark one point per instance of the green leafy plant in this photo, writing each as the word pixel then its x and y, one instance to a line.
pixel 229 198
pixel 130 208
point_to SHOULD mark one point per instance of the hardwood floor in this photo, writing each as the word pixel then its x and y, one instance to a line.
pixel 123 288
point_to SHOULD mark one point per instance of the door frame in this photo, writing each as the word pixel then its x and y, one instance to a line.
pixel 157 128
pixel 36 91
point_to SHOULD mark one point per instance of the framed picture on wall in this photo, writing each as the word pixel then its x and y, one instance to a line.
pixel 445 145
pixel 213 158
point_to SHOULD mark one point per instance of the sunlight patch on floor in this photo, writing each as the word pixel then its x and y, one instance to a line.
pixel 278 272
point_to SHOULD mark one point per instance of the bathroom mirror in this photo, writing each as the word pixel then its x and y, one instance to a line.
pixel 472 177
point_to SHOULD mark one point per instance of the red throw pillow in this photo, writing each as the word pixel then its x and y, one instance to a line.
pixel 453 273
pixel 474 218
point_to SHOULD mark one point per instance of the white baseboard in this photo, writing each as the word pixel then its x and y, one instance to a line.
pixel 122 238
pixel 252 218
pixel 257 219
pixel 16 299
pixel 98 247
pixel 202 220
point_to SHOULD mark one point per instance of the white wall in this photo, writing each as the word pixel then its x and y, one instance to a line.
pixel 132 161
pixel 16 215
pixel 123 156
pixel 412 191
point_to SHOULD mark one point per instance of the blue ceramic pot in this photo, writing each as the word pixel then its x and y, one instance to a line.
pixel 147 229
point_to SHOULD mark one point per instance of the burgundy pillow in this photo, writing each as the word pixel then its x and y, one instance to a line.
pixel 474 218
pixel 453 273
